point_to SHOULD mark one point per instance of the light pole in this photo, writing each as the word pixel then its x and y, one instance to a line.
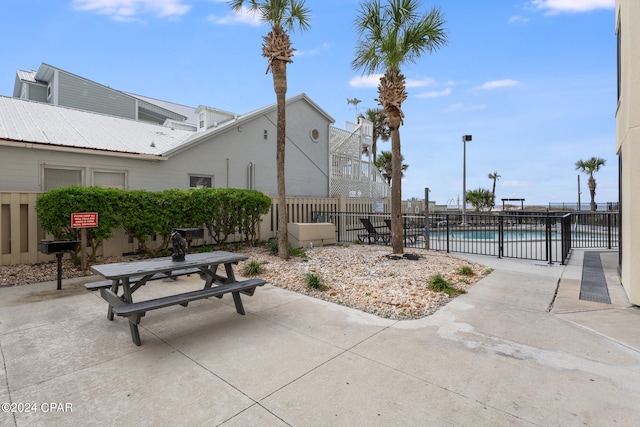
pixel 465 139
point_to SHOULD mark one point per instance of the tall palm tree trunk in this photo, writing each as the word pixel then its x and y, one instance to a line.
pixel 279 70
pixel 592 191
pixel 396 192
pixel 493 192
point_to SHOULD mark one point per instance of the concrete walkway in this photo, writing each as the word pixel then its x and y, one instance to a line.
pixel 520 348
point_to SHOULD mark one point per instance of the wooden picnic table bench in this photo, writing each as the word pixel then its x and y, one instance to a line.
pixel 94 286
pixel 130 276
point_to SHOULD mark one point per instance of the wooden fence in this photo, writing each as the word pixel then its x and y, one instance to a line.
pixel 20 233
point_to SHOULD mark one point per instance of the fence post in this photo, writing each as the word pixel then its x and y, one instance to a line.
pixel 447 233
pixel 500 236
pixel 608 214
pixel 547 240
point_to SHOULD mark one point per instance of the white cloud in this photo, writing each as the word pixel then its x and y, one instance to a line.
pixel 314 51
pixel 573 6
pixel 419 83
pixel 515 184
pixel 126 10
pixel 517 19
pixel 494 84
pixel 478 107
pixel 371 80
pixel 243 16
pixel 464 107
pixel 435 94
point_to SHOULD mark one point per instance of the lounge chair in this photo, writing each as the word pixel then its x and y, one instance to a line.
pixel 412 232
pixel 372 234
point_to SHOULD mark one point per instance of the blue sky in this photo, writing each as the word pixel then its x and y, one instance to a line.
pixel 534 81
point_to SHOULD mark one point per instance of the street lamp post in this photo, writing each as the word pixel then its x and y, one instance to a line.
pixel 465 139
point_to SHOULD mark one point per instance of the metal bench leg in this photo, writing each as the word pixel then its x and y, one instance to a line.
pixel 238 301
pixel 135 334
pixel 114 288
pixel 133 326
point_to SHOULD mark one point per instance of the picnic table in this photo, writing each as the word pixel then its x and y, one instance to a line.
pixel 130 276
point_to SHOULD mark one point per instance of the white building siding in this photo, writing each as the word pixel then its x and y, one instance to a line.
pixel 628 142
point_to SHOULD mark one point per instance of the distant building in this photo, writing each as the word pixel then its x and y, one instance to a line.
pixel 628 143
pixel 60 129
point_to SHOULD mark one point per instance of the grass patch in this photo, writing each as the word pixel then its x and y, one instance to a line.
pixel 438 283
pixel 252 268
pixel 299 252
pixel 314 281
pixel 466 271
pixel 272 245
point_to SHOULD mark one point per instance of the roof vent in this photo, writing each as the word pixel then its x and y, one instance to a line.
pixel 153 144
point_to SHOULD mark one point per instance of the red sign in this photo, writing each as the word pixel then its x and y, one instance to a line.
pixel 84 220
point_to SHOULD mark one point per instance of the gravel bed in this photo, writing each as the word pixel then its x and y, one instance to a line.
pixel 363 277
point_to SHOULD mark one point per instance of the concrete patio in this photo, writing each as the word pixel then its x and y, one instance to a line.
pixel 520 348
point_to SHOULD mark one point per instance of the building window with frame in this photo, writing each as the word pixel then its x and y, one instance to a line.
pixel 110 179
pixel 200 181
pixel 57 177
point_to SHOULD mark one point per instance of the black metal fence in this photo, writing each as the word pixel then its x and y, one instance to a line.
pixel 515 234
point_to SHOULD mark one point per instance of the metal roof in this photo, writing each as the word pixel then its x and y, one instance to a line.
pixel 50 126
pixel 39 123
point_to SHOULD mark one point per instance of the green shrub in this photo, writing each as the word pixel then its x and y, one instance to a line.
pixel 299 252
pixel 272 245
pixel 252 268
pixel 466 271
pixel 314 282
pixel 438 284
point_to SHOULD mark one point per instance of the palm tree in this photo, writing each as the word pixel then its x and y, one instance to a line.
pixel 380 129
pixel 283 16
pixel 385 165
pixel 390 37
pixel 480 198
pixel 589 167
pixel 494 176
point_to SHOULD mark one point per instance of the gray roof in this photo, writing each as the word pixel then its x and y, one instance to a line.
pixel 55 127
pixel 39 123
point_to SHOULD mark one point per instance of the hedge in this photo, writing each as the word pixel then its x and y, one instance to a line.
pixel 145 215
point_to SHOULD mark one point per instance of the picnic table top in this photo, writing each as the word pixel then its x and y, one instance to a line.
pixel 165 264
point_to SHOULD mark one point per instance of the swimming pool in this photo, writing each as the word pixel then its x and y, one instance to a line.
pixel 511 235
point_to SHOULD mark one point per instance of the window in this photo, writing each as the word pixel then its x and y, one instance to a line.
pixel 56 177
pixel 201 120
pixel 199 181
pixel 110 179
pixel 49 91
pixel 315 134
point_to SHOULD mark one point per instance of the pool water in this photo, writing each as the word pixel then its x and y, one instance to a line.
pixel 509 235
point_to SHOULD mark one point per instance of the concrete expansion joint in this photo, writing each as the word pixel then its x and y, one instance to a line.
pixel 553 298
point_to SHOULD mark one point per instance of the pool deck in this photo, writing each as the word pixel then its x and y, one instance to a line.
pixel 520 349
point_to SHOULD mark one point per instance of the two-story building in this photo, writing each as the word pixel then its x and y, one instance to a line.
pixel 628 143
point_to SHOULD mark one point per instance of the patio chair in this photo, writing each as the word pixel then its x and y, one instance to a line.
pixel 372 234
pixel 412 232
